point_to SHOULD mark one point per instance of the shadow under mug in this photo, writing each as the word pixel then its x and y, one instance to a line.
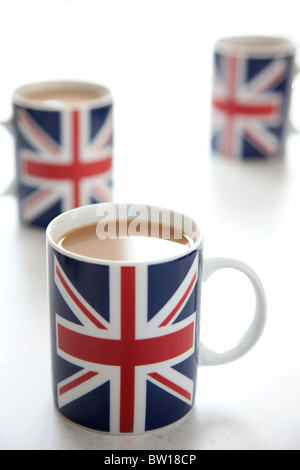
pixel 125 334
pixel 251 90
pixel 63 133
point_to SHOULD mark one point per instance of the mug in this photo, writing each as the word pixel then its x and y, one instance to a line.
pixel 252 80
pixel 63 143
pixel 125 334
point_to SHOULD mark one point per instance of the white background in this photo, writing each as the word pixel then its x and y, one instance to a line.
pixel 155 56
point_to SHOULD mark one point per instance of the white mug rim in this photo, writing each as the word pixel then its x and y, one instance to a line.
pixel 74 218
pixel 258 45
pixel 19 98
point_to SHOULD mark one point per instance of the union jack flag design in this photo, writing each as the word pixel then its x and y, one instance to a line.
pixel 64 160
pixel 124 342
pixel 250 103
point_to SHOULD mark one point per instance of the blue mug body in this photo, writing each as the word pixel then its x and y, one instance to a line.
pixel 124 336
pixel 251 91
pixel 63 151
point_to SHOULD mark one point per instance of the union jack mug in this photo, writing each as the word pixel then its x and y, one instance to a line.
pixel 125 334
pixel 63 143
pixel 252 78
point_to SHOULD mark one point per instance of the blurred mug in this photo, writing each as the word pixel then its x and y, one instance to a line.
pixel 251 91
pixel 63 139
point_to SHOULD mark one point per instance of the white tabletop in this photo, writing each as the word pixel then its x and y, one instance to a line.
pixel 156 57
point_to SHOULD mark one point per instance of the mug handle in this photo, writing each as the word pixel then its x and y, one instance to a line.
pixel 9 125
pixel 210 357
